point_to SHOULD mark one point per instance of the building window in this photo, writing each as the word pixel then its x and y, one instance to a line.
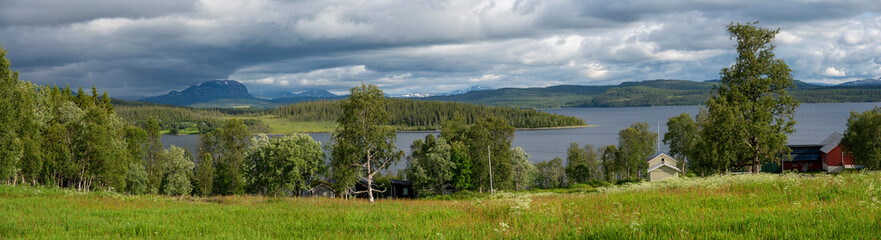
pixel 405 191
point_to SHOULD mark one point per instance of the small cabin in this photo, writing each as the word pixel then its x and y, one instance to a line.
pixel 401 189
pixel 396 189
pixel 662 166
pixel 321 189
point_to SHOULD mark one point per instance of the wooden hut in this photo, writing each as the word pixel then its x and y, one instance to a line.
pixel 662 166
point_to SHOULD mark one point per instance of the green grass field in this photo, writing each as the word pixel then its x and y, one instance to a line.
pixel 760 206
pixel 284 126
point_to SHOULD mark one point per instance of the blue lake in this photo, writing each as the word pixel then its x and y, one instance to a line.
pixel 814 122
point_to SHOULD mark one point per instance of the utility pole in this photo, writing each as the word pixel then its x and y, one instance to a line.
pixel 659 136
pixel 489 157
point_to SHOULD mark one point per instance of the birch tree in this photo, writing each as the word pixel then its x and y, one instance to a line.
pixel 751 113
pixel 362 144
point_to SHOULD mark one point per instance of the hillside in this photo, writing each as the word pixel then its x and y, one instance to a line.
pixel 647 93
pixel 762 206
pixel 232 94
pixel 204 92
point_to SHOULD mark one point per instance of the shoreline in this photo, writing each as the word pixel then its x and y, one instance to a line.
pixel 413 131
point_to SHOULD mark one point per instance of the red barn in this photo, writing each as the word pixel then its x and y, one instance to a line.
pixel 828 156
pixel 835 158
pixel 804 158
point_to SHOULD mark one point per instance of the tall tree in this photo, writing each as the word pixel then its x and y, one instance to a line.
pixel 11 114
pixel 750 111
pixel 179 171
pixel 207 152
pixel 635 144
pixel 461 178
pixel 550 174
pixel 152 160
pixel 282 164
pixel 455 131
pixel 430 165
pixel 612 162
pixel 683 137
pixel 582 164
pixel 522 171
pixel 863 138
pixel 490 139
pixel 232 141
pixel 362 144
pixel 576 164
pixel 137 180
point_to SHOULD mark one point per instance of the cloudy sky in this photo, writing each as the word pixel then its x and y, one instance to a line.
pixel 139 48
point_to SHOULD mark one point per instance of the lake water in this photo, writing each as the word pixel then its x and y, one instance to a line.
pixel 814 122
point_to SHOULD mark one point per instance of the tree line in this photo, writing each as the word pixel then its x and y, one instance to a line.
pixel 429 115
pixel 185 120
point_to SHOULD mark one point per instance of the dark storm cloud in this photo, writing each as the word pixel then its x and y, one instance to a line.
pixel 147 48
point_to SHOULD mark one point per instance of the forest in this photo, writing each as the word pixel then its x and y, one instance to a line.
pixel 405 114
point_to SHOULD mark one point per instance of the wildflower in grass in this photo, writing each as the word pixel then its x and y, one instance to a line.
pixel 503 227
pixel 520 204
pixel 634 225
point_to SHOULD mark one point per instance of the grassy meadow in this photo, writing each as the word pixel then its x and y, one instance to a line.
pixel 762 206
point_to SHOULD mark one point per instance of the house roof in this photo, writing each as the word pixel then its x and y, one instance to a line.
pixel 659 165
pixel 400 182
pixel 656 155
pixel 831 142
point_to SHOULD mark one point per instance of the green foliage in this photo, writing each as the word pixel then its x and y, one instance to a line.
pixel 153 161
pixel 550 174
pixel 278 165
pixel 363 144
pixel 51 136
pixel 683 137
pixel 229 150
pixel 429 115
pixel 490 137
pixel 863 138
pixel 137 181
pixel 430 165
pixel 582 163
pixel 751 112
pixel 522 171
pixel 635 145
pixel 179 171
pixel 461 178
pixel 613 163
pixel 204 176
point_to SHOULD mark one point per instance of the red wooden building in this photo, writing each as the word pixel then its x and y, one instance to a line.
pixel 828 156
pixel 835 158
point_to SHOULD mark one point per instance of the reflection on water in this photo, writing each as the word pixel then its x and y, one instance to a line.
pixel 814 122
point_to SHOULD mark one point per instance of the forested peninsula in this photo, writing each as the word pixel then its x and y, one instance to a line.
pixel 319 116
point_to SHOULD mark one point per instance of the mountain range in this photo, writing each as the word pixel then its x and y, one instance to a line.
pixel 232 94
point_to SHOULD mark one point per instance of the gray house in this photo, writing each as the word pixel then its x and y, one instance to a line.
pixel 321 189
pixel 662 166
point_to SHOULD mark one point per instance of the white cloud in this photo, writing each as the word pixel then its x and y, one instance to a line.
pixel 485 78
pixel 832 72
pixel 421 44
pixel 786 37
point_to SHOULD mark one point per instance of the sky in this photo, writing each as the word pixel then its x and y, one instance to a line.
pixel 144 48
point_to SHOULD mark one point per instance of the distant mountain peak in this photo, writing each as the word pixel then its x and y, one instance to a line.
pixel 316 93
pixel 204 92
pixel 471 89
pixel 868 81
